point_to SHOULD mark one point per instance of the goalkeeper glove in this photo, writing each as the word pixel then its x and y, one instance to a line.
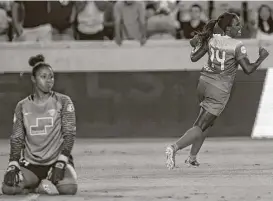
pixel 57 171
pixel 13 175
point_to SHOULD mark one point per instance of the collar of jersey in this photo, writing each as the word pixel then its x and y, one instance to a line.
pixel 32 96
pixel 225 36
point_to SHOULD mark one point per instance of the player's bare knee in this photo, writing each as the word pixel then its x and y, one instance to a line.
pixel 196 124
pixel 204 126
pixel 205 120
pixel 12 190
pixel 67 189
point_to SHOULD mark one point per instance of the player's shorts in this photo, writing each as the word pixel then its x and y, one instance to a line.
pixel 41 171
pixel 211 98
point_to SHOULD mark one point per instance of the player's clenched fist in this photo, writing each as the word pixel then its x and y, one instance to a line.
pixel 56 172
pixel 195 41
pixel 13 175
pixel 263 52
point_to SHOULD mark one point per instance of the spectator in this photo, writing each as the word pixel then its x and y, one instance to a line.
pixel 30 21
pixel 109 21
pixel 189 28
pixel 130 23
pixel 150 10
pixel 62 15
pixel 221 7
pixel 161 24
pixel 265 22
pixel 4 20
pixel 90 20
pixel 181 14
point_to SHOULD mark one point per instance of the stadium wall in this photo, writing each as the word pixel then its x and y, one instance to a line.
pixel 129 91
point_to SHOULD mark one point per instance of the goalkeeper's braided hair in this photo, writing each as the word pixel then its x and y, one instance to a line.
pixel 37 62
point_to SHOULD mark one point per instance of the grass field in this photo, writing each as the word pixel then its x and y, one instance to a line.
pixel 134 169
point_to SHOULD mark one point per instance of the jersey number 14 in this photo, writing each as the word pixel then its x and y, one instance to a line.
pixel 220 57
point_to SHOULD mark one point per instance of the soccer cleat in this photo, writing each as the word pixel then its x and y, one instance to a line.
pixel 170 155
pixel 191 162
pixel 46 187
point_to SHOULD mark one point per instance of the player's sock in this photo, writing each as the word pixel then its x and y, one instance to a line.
pixel 188 138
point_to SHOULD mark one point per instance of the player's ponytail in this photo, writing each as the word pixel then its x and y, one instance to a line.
pixel 207 32
pixel 36 62
pixel 222 22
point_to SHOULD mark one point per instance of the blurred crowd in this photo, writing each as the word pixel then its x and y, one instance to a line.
pixel 125 20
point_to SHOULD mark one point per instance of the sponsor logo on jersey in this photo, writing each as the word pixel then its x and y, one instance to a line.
pixel 70 108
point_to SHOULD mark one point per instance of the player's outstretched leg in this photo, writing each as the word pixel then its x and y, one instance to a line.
pixel 191 161
pixel 187 139
pixel 204 121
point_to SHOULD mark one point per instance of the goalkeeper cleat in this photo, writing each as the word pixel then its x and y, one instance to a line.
pixel 46 187
pixel 170 155
pixel 192 163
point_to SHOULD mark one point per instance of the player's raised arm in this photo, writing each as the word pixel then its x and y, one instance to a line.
pixel 198 52
pixel 200 41
pixel 68 125
pixel 17 138
pixel 242 58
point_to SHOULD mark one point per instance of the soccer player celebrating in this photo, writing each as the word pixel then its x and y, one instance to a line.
pixel 216 80
pixel 43 135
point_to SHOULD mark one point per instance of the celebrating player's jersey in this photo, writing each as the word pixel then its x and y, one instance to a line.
pixel 43 127
pixel 223 55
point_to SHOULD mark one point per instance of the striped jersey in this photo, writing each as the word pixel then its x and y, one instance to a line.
pixel 43 131
pixel 224 53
